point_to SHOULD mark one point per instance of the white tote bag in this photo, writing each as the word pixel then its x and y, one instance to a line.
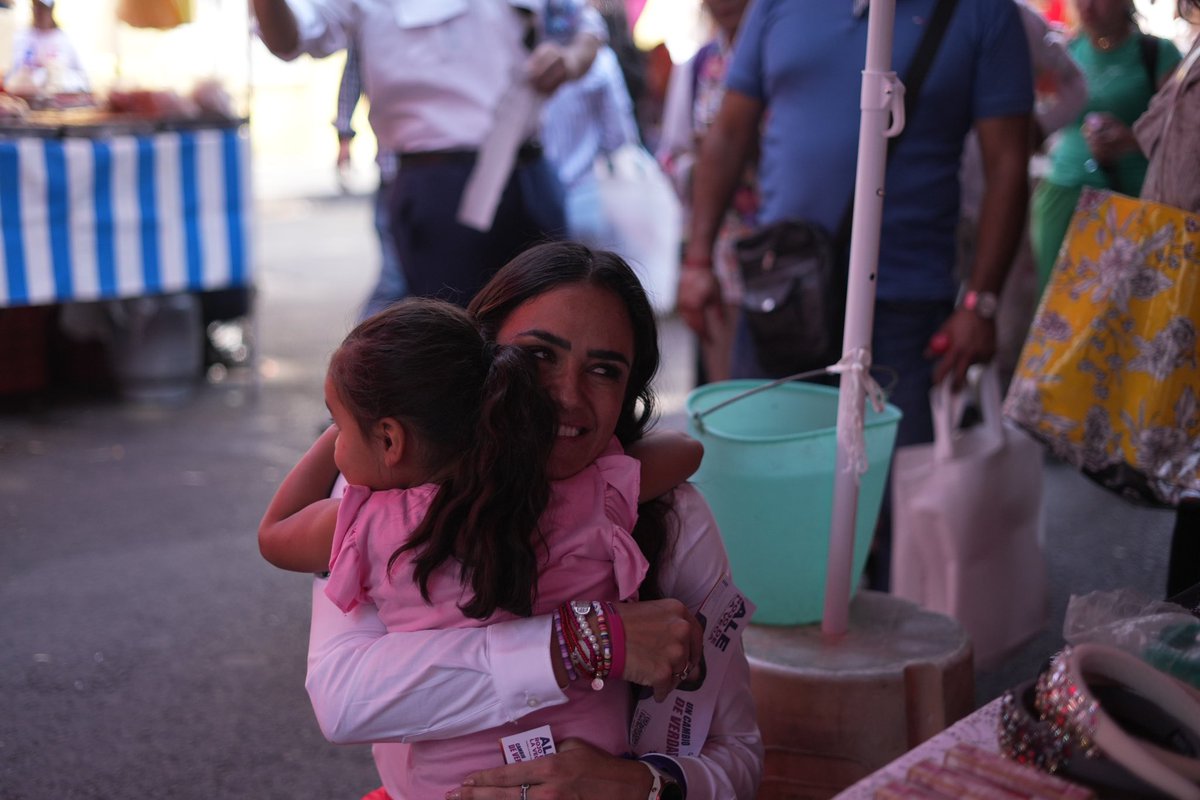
pixel 645 213
pixel 967 523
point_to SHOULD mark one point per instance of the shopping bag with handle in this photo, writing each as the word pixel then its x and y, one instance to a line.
pixel 1109 376
pixel 644 211
pixel 967 523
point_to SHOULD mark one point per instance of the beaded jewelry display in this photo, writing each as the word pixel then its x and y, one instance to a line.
pixel 1028 740
pixel 1076 720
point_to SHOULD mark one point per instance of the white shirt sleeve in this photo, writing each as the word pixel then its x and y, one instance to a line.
pixel 323 27
pixel 366 686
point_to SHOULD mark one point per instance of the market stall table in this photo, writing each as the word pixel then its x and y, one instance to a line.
pixel 99 212
pixel 980 728
pixel 97 206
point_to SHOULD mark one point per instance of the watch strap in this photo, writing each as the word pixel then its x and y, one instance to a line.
pixel 657 785
pixel 665 785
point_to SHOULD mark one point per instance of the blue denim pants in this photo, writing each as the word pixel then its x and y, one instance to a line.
pixel 391 285
pixel 442 258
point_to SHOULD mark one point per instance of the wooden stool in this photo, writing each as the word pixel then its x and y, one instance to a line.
pixel 834 712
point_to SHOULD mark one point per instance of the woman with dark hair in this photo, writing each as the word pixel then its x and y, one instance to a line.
pixel 1166 133
pixel 585 319
pixel 449 520
pixel 1123 68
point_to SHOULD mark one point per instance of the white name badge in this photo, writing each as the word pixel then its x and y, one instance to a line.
pixel 529 745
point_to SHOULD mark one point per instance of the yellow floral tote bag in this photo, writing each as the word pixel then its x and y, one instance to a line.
pixel 1108 377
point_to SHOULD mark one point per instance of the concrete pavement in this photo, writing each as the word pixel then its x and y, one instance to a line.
pixel 146 650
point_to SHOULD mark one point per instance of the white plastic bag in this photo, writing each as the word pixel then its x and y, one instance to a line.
pixel 967 523
pixel 642 208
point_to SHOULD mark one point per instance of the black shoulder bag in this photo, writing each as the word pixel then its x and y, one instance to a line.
pixel 794 272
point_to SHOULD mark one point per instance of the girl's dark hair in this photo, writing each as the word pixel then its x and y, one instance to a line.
pixel 546 267
pixel 1188 8
pixel 479 417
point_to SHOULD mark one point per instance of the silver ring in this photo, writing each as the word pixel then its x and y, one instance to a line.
pixel 524 791
pixel 682 676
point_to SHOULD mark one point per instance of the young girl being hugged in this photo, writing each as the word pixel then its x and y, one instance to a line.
pixel 448 519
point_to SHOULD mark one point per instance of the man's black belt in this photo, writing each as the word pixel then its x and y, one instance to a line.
pixel 527 154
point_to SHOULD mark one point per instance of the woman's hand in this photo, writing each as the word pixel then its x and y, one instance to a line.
pixel 577 771
pixel 1108 137
pixel 662 641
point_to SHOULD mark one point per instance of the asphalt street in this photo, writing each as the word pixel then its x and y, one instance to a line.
pixel 146 650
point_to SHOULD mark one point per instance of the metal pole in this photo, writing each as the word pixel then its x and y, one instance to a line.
pixel 878 88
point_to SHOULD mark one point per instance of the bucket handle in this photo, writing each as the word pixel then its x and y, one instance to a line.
pixel 698 416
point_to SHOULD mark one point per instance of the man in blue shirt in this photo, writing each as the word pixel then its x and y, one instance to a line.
pixel 793 90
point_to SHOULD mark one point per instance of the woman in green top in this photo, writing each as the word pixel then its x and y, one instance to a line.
pixel 1098 148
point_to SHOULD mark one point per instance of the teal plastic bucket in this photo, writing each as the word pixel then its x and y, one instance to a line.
pixel 768 473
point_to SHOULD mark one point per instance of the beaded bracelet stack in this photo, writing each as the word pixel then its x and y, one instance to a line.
pixel 585 650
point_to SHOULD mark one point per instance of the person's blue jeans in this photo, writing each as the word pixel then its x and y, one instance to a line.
pixel 902 330
pixel 391 285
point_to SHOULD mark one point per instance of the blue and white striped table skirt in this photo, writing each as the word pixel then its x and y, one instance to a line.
pixel 123 216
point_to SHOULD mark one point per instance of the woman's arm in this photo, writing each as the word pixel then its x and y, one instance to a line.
pixel 368 685
pixel 296 532
pixel 668 459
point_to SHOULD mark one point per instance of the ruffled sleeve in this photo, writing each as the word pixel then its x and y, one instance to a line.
pixel 629 565
pixel 348 562
pixel 622 478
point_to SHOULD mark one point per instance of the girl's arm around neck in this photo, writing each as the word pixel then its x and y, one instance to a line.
pixel 668 459
pixel 296 533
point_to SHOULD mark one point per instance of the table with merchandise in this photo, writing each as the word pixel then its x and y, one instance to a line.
pixel 101 206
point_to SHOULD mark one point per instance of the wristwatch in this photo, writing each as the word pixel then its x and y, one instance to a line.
pixel 982 303
pixel 664 786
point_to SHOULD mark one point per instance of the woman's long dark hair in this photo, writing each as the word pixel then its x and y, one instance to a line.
pixel 546 267
pixel 478 416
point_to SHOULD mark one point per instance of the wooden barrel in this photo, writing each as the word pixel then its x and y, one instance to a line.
pixel 832 712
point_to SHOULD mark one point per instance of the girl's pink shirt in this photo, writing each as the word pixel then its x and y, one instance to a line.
pixel 589 554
